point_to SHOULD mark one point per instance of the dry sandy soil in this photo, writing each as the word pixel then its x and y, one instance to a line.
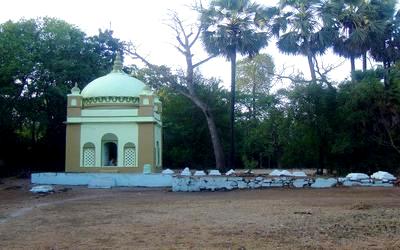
pixel 81 218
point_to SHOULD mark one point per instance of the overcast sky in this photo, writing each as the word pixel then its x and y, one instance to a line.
pixel 143 22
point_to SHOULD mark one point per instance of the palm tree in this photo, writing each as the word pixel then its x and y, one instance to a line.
pixel 356 21
pixel 229 28
pixel 303 30
pixel 384 49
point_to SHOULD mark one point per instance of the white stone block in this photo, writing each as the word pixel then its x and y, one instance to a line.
pixel 381 185
pixel 299 174
pixel 199 173
pixel 275 172
pixel 265 184
pixel 167 171
pixel 42 189
pixel 242 185
pixel 233 184
pixel 299 183
pixel 382 175
pixel 324 183
pixel 276 184
pixel 251 184
pixel 230 172
pixel 186 172
pixel 214 172
pixel 286 173
pixel 357 176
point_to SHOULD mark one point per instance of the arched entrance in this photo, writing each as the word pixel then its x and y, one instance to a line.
pixel 109 144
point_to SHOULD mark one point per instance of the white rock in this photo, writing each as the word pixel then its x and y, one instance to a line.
pixel 252 184
pixel 286 173
pixel 265 184
pixel 357 176
pixel 348 183
pixel 275 173
pixel 299 174
pixel 242 185
pixel 199 173
pixel 167 171
pixel 276 184
pixel 214 172
pixel 259 178
pixel 382 175
pixel 42 189
pixel 234 184
pixel 299 183
pixel 186 172
pixel 230 172
pixel 381 185
pixel 324 183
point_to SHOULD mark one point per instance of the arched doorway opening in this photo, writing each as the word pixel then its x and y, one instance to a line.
pixel 109 150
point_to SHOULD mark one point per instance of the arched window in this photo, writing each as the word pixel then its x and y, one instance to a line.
pixel 88 155
pixel 130 155
pixel 109 144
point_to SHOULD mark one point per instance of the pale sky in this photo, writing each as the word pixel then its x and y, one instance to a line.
pixel 143 22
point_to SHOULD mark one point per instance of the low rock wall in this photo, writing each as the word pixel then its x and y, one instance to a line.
pixel 213 183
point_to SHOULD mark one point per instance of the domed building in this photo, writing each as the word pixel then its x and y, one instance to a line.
pixel 114 125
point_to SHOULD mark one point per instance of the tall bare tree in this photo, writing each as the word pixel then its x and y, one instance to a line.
pixel 186 38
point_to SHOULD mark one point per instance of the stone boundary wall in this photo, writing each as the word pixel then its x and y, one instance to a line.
pixel 101 180
pixel 213 183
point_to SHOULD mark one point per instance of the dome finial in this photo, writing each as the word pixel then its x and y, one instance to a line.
pixel 117 63
pixel 75 90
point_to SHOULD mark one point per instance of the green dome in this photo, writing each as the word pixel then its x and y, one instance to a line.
pixel 115 83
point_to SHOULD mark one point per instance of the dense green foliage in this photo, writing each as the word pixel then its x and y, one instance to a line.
pixel 186 136
pixel 40 61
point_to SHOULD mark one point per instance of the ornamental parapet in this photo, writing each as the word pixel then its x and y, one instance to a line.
pixel 93 101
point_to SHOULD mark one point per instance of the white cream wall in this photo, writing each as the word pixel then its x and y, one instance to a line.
pixel 125 132
pixel 109 112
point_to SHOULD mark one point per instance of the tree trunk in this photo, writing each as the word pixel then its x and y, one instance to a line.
pixel 364 62
pixel 253 113
pixel 232 111
pixel 218 152
pixel 353 65
pixel 311 65
pixel 212 128
pixel 386 79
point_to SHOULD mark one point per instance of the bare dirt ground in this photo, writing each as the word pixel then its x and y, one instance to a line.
pixel 81 218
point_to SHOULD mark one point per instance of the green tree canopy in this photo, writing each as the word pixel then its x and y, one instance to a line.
pixel 40 61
